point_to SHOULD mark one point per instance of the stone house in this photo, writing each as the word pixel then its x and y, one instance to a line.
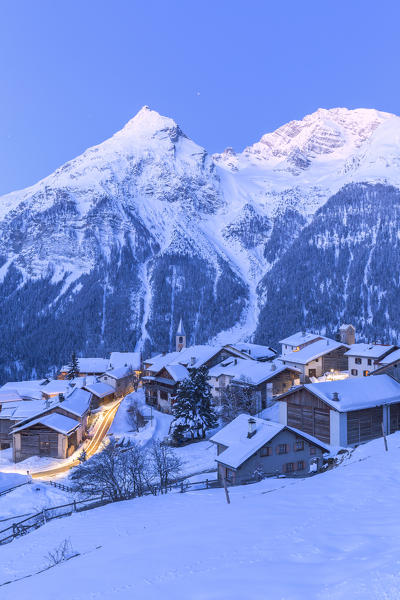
pixel 250 448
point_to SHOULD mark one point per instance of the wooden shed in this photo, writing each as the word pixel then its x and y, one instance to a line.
pixel 53 435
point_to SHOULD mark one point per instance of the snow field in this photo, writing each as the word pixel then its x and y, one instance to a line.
pixel 334 536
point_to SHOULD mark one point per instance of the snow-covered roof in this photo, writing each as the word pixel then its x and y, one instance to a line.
pixel 161 360
pixel 195 356
pixel 177 372
pixel 100 389
pixel 369 350
pixel 391 358
pixel 24 409
pixel 255 351
pixel 27 389
pixel 345 326
pixel 55 421
pixel 90 365
pixel 117 373
pixel 9 396
pixel 250 370
pixel 125 359
pixel 299 338
pixel 78 402
pixel 57 386
pixel 312 351
pixel 241 447
pixel 357 393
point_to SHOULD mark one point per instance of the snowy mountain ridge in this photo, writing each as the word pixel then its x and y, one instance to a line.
pixel 147 226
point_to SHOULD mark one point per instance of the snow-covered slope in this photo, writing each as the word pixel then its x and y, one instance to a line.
pixel 334 536
pixel 111 249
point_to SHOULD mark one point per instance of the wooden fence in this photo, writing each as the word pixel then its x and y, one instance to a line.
pixel 4 492
pixel 65 510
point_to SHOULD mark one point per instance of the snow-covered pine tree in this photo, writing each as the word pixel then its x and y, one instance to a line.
pixel 73 367
pixel 193 410
pixel 206 412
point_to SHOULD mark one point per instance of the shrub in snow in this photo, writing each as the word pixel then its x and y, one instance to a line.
pixel 63 552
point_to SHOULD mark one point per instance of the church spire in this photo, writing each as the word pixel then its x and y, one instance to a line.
pixel 180 337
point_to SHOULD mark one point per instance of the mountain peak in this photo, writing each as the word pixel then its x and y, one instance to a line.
pixel 146 123
pixel 337 131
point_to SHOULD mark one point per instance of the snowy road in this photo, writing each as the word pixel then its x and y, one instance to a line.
pixel 91 449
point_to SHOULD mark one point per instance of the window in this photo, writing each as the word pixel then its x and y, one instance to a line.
pixel 354 372
pixel 365 373
pixel 288 468
pixel 313 450
pixel 229 475
pixel 180 340
pixel 312 372
pixel 266 451
pixel 370 361
pixel 358 361
pixel 299 445
pixel 300 465
pixel 282 449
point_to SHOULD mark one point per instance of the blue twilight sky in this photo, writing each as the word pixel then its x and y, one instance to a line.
pixel 72 72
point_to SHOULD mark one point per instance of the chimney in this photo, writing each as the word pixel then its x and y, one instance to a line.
pixel 252 427
pixel 61 397
pixel 273 367
pixel 235 361
pixel 335 396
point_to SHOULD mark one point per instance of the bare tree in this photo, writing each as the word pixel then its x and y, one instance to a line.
pixel 135 416
pixel 238 399
pixel 108 472
pixel 165 465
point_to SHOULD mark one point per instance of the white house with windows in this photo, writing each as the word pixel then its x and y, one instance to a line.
pixel 314 357
pixel 298 341
pixel 365 358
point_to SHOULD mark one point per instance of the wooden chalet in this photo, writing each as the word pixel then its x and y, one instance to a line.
pixel 346 412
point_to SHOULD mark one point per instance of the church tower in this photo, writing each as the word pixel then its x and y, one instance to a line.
pixel 180 337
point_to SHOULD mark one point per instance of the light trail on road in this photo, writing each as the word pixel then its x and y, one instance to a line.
pixel 91 449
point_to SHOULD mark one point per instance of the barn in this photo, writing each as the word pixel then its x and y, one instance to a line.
pixel 345 412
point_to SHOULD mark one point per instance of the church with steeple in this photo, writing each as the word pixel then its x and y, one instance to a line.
pixel 180 337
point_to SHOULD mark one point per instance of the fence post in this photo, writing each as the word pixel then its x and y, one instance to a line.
pixel 207 484
pixel 181 487
pixel 44 515
pixel 14 530
pixel 74 506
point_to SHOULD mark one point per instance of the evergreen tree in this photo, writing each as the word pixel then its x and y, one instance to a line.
pixel 193 410
pixel 73 367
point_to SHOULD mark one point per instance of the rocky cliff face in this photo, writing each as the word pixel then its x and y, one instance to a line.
pixel 110 250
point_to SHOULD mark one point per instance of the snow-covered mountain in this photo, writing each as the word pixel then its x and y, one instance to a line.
pixel 111 249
